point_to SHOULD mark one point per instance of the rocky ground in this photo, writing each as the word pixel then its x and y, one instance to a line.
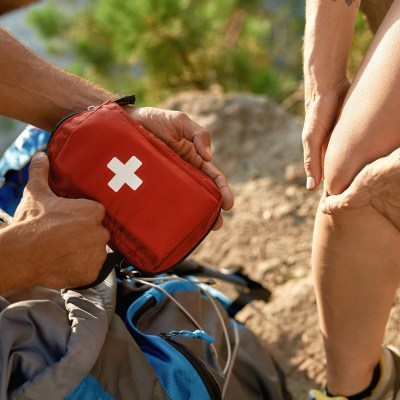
pixel 269 230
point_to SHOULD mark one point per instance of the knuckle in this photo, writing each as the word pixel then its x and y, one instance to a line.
pixel 329 207
pixel 308 164
pixel 306 132
pixel 37 163
pixel 97 209
pixel 336 209
pixel 180 117
pixel 100 210
pixel 203 133
pixel 105 236
pixel 98 236
pixel 307 138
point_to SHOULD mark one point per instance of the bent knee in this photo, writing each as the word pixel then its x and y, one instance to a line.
pixel 339 172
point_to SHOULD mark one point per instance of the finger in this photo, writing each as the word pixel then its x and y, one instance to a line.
pixel 39 174
pixel 96 211
pixel 218 177
pixel 312 150
pixel 350 199
pixel 218 224
pixel 187 151
pixel 333 205
pixel 359 194
pixel 198 135
pixel 202 143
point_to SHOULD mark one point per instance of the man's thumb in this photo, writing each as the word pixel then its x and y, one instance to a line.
pixel 39 173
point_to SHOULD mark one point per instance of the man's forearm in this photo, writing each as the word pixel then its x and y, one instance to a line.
pixel 327 39
pixel 37 92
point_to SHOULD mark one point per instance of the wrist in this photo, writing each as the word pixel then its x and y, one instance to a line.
pixel 315 90
pixel 323 69
pixel 18 264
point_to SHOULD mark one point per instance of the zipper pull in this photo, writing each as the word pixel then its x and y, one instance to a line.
pixel 126 100
pixel 197 334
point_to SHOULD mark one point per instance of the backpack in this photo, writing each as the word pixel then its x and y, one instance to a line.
pixel 14 165
pixel 172 341
pixel 196 348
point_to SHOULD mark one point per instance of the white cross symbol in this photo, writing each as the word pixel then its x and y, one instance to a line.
pixel 124 173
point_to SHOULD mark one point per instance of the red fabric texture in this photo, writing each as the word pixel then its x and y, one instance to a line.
pixel 161 221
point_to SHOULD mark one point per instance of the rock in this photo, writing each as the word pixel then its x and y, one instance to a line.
pixel 252 136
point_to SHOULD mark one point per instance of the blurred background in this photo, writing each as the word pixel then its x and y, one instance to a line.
pixel 160 47
pixel 235 67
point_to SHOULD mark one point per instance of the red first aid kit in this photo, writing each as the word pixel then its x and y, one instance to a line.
pixel 158 206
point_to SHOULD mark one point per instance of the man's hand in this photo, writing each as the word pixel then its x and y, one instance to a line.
pixel 189 140
pixel 62 242
pixel 377 185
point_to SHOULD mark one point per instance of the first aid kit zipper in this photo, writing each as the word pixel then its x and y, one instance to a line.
pixel 123 101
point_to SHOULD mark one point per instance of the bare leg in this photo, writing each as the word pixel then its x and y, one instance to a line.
pixel 356 271
pixel 355 255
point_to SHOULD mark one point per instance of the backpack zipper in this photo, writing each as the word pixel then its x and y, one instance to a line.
pixel 205 375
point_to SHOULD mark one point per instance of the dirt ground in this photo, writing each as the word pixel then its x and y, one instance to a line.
pixel 269 230
pixel 269 234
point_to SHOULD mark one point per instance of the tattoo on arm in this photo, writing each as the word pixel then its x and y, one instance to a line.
pixel 349 2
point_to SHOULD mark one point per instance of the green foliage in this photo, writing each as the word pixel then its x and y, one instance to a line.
pixel 159 47
pixel 50 21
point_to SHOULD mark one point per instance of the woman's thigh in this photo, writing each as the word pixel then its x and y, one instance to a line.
pixel 369 125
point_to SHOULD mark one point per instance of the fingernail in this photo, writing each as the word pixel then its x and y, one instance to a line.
pixel 39 154
pixel 310 184
pixel 208 151
pixel 323 208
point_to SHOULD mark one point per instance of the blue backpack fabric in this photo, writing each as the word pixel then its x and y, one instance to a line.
pixel 14 166
pixel 188 378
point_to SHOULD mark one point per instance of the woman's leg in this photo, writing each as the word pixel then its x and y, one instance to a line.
pixel 356 264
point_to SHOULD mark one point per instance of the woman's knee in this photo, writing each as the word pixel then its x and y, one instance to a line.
pixel 339 171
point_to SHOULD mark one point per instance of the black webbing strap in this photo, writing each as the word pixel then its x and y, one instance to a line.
pixel 112 260
pixel 126 100
pixel 249 290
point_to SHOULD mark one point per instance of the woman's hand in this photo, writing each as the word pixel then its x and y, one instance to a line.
pixel 322 110
pixel 376 185
pixel 327 41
